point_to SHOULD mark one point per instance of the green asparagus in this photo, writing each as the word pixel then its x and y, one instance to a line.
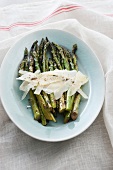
pixel 44 105
pixel 24 64
pixel 43 119
pixel 43 102
pixel 55 57
pixel 34 105
pixel 74 112
pixel 74 58
pixel 48 115
pixel 61 101
pixel 52 97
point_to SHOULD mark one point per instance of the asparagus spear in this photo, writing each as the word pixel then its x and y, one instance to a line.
pixel 61 100
pixel 35 54
pixel 31 63
pixel 74 58
pixel 45 59
pixel 77 100
pixel 67 117
pixel 63 53
pixel 69 99
pixel 33 45
pixel 69 102
pixel 74 112
pixel 55 57
pixel 69 106
pixel 37 67
pixel 32 96
pixel 51 103
pixel 69 56
pixel 34 105
pixel 66 64
pixel 62 106
pixel 26 59
pixel 41 101
pixel 33 58
pixel 43 119
pixel 48 115
pixel 52 97
pixel 46 98
pixel 41 46
pixel 24 65
pixel 36 63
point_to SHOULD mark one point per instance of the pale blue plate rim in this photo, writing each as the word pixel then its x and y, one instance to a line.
pixel 27 132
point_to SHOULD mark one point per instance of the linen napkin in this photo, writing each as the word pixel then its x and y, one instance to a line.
pixel 91 22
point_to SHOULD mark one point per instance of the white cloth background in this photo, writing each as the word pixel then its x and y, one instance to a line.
pixel 91 21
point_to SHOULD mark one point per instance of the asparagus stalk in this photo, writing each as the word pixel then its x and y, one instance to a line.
pixel 46 98
pixel 63 53
pixel 43 105
pixel 51 65
pixel 67 117
pixel 74 57
pixel 74 113
pixel 43 119
pixel 52 97
pixel 41 46
pixel 34 105
pixel 61 100
pixel 72 66
pixel 69 100
pixel 69 105
pixel 24 65
pixel 32 96
pixel 77 100
pixel 36 63
pixel 31 63
pixel 33 101
pixel 48 115
pixel 55 57
pixel 62 106
pixel 45 59
pixel 51 103
pixel 66 64
pixel 52 100
pixel 35 54
pixel 33 45
pixel 26 59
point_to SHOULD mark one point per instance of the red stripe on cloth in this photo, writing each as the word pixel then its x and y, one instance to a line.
pixel 56 12
pixel 110 15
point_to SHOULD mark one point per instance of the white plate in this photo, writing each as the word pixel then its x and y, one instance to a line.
pixel 23 118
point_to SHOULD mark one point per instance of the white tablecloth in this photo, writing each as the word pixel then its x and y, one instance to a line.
pixel 91 21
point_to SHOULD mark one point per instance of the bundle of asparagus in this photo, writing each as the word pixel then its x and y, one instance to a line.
pixel 44 106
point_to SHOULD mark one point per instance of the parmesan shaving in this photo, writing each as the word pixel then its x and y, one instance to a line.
pixel 57 82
